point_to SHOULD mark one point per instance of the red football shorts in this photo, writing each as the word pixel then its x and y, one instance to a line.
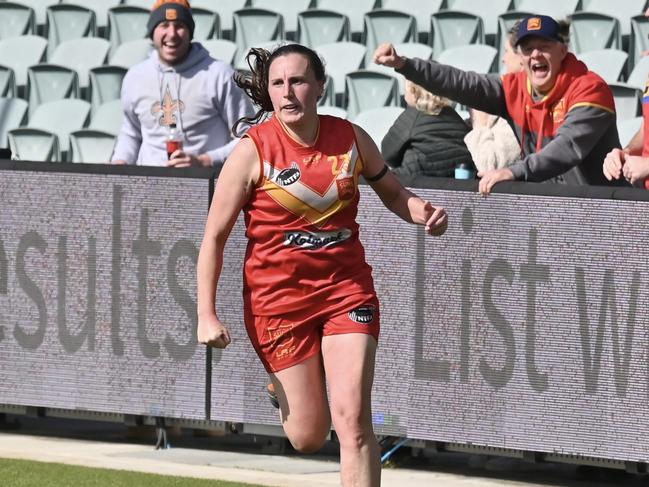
pixel 289 339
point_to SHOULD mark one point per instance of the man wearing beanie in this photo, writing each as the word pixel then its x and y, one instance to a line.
pixel 563 115
pixel 178 88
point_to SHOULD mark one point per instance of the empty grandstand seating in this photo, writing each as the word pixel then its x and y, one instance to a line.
pixel 387 26
pixel 419 10
pixel 638 39
pixel 627 128
pixel 7 82
pixel 289 9
pixel 104 85
pixel 452 28
pixel 13 114
pixel 207 24
pixel 317 27
pixel 126 23
pixel 608 63
pixel 473 57
pixel 130 52
pixel 590 31
pixel 341 58
pixel 253 26
pixel 66 22
pixel 50 82
pixel 17 20
pixel 39 60
pixel 221 49
pixel 627 100
pixel 91 146
pixel 30 144
pixel 18 53
pixel 369 89
pixel 81 55
pixel 377 121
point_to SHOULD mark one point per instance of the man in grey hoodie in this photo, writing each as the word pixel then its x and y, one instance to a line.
pixel 179 85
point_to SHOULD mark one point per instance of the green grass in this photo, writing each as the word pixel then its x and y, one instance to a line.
pixel 24 473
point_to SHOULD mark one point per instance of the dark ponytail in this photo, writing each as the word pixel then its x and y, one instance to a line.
pixel 255 82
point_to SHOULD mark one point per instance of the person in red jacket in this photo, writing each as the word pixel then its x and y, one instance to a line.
pixel 563 115
pixel 310 308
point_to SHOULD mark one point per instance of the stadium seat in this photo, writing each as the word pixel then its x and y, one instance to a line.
pixel 317 27
pixel 14 114
pixel 207 24
pixel 408 49
pixel 253 26
pixel 377 121
pixel 368 89
pixel 622 10
pixel 30 144
pixel 17 20
pixel 488 11
pixel 225 9
pixel 419 10
pixel 18 53
pixel 50 82
pixel 638 39
pixel 242 63
pixel 354 10
pixel 451 28
pixel 608 63
pixel 221 49
pixel 145 4
pixel 66 22
pixel 332 110
pixel 627 100
pixel 91 146
pixel 48 117
pixel 81 55
pixel 40 9
pixel 387 26
pixel 108 117
pixel 557 9
pixel 126 23
pixel 104 85
pixel 638 76
pixel 627 128
pixel 505 22
pixel 100 7
pixel 590 31
pixel 341 58
pixel 328 93
pixel 130 53
pixel 287 8
pixel 473 57
pixel 7 82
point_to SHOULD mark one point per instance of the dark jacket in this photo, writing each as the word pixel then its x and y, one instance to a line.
pixel 429 145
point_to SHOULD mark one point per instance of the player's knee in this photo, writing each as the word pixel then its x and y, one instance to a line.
pixel 308 440
pixel 353 431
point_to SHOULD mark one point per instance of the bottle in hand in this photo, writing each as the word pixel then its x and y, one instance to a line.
pixel 174 140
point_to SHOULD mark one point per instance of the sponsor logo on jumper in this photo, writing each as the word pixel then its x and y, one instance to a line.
pixel 289 175
pixel 312 240
pixel 363 314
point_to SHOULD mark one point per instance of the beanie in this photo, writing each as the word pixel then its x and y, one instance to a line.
pixel 165 10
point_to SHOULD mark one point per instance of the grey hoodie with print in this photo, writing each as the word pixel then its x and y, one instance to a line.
pixel 198 95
